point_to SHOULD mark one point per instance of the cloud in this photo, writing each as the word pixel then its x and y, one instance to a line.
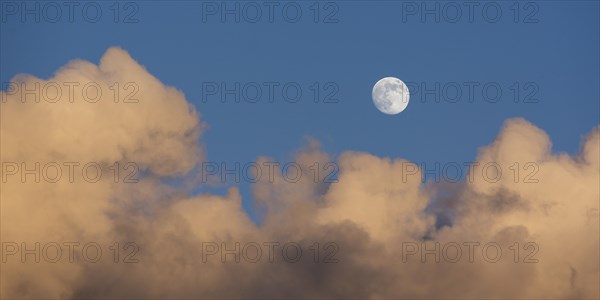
pixel 365 225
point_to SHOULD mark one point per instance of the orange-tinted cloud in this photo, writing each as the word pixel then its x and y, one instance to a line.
pixel 372 225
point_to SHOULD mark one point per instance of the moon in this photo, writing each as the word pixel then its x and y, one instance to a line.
pixel 390 95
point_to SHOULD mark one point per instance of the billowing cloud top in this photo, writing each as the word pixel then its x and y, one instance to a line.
pixel 375 215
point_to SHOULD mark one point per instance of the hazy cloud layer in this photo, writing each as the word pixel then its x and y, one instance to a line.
pixel 372 213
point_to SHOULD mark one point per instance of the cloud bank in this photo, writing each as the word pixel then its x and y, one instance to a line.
pixel 376 228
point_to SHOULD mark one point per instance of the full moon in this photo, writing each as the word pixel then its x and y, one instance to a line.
pixel 390 95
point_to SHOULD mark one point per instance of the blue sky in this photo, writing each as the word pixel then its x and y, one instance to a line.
pixel 555 61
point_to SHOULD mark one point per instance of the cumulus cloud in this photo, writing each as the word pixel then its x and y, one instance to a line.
pixel 371 226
